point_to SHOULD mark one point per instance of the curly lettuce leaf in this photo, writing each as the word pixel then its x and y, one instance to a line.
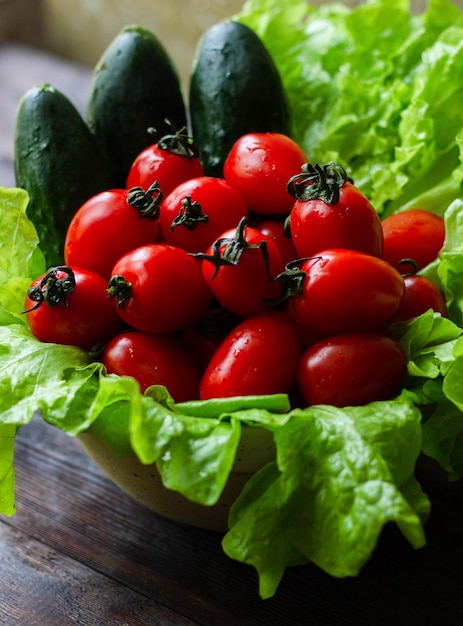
pixel 375 88
pixel 36 377
pixel 443 437
pixel 7 476
pixel 20 258
pixel 339 476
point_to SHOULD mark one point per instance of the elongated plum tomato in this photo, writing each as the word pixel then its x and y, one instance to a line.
pixel 420 295
pixel 239 268
pixel 105 227
pixel 196 212
pixel 259 165
pixel 413 234
pixel 330 212
pixel 258 357
pixel 153 359
pixel 346 291
pixel 158 288
pixel 70 306
pixel 351 370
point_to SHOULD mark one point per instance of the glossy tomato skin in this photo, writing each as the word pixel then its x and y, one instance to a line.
pixel 243 288
pixel 351 370
pixel 346 291
pixel 413 234
pixel 351 223
pixel 274 228
pixel 104 228
pixel 86 320
pixel 420 295
pixel 221 205
pixel 259 165
pixel 259 356
pixel 164 166
pixel 153 359
pixel 166 289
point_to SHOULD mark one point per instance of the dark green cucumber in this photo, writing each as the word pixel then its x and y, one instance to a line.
pixel 235 88
pixel 57 162
pixel 135 86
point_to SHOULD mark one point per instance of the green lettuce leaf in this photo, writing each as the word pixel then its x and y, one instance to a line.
pixel 20 258
pixel 7 476
pixel 375 88
pixel 339 476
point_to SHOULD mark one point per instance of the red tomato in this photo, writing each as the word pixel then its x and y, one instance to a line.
pixel 420 295
pixel 351 370
pixel 275 229
pixel 259 165
pixel 258 357
pixel 196 212
pixel 158 288
pixel 330 212
pixel 70 306
pixel 104 228
pixel 202 337
pixel 239 268
pixel 414 234
pixel 153 360
pixel 346 291
pixel 170 161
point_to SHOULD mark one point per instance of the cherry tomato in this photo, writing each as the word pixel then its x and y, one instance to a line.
pixel 259 165
pixel 258 357
pixel 153 360
pixel 275 229
pixel 420 295
pixel 158 288
pixel 107 226
pixel 346 291
pixel 239 268
pixel 330 212
pixel 70 306
pixel 351 370
pixel 169 162
pixel 202 337
pixel 414 234
pixel 196 212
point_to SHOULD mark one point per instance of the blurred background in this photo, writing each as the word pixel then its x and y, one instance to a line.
pixel 80 30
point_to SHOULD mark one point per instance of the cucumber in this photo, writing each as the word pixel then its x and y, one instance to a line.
pixel 135 86
pixel 57 161
pixel 235 88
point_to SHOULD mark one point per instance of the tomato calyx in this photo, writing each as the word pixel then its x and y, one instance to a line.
pixel 291 281
pixel 318 182
pixel 53 289
pixel 228 250
pixel 178 142
pixel 146 202
pixel 190 215
pixel 120 288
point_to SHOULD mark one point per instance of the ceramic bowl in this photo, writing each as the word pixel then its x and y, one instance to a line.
pixel 143 483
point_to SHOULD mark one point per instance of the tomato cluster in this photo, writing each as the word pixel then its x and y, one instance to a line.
pixel 277 278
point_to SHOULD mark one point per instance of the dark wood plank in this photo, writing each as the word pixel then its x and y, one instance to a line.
pixel 40 586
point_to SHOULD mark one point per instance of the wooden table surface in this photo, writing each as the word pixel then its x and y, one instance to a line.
pixel 79 551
